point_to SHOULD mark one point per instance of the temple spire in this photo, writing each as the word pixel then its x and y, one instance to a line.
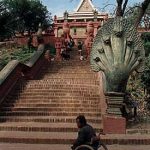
pixel 85 6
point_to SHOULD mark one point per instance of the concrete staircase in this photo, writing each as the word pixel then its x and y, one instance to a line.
pixel 43 111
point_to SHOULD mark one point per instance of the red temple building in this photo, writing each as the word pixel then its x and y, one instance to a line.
pixel 76 22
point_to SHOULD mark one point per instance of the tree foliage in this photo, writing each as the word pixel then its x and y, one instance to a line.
pixel 146 41
pixel 141 10
pixel 6 28
pixel 146 75
pixel 132 13
pixel 24 15
pixel 139 83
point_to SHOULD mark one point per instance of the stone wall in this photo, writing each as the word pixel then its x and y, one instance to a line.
pixel 22 40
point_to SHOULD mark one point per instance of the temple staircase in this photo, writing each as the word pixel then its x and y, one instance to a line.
pixel 44 110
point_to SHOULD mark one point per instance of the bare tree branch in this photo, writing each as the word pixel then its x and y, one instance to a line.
pixel 119 8
pixel 124 6
pixel 142 11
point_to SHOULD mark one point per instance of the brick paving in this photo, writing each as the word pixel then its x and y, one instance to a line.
pixel 4 146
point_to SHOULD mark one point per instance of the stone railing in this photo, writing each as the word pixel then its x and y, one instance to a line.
pixel 32 68
pixel 15 71
pixel 8 77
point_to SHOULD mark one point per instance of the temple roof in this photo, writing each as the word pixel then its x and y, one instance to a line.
pixel 85 10
pixel 85 6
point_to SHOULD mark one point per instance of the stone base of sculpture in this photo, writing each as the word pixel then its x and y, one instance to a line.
pixel 114 125
pixel 114 102
pixel 113 122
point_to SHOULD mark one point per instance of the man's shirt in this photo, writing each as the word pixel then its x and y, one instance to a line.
pixel 84 136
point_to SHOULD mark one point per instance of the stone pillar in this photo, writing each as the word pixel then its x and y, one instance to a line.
pixel 56 31
pixel 89 46
pixel 106 18
pixel 66 16
pixel 96 29
pixel 75 38
pixel 113 122
pixel 90 28
pixel 58 46
pixel 95 15
pixel 89 39
pixel 55 19
pixel 66 31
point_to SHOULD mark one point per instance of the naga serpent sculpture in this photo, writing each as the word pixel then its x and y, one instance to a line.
pixel 117 51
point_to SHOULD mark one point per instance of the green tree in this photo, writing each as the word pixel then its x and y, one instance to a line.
pixel 146 41
pixel 132 13
pixel 6 28
pixel 146 75
pixel 140 11
pixel 27 14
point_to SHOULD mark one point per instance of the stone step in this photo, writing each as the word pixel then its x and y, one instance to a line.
pixel 67 138
pixel 66 64
pixel 49 105
pixel 53 101
pixel 68 68
pixel 55 81
pixel 60 79
pixel 43 113
pixel 45 94
pixel 47 88
pixel 69 71
pixel 65 83
pixel 47 119
pixel 51 109
pixel 59 87
pixel 22 146
pixel 55 97
pixel 47 91
pixel 69 76
pixel 51 91
pixel 43 127
pixel 47 85
pixel 138 131
pixel 66 89
pixel 57 102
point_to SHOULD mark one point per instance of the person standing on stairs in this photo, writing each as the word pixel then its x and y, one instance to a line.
pixel 80 45
pixel 64 54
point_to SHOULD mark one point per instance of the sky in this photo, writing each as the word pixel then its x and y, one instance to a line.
pixel 58 7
